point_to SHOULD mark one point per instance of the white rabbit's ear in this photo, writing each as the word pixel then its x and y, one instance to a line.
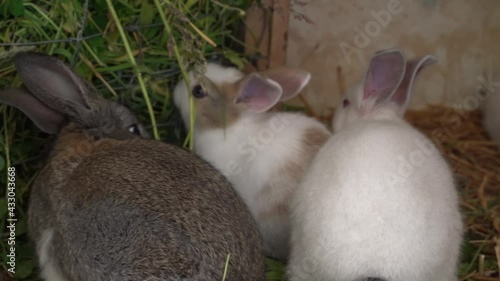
pixel 45 118
pixel 259 94
pixel 291 80
pixel 401 97
pixel 383 77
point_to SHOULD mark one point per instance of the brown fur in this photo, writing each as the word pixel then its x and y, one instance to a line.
pixel 218 109
pixel 80 143
pixel 313 140
pixel 82 186
pixel 275 210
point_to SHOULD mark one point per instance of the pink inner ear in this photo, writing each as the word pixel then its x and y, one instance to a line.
pixel 384 75
pixel 291 80
pixel 258 93
pixel 401 96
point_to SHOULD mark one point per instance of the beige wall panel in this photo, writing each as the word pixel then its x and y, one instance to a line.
pixel 463 35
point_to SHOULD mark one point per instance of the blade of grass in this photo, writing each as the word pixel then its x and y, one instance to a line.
pixel 132 60
pixel 183 71
pixel 98 75
pixel 203 35
pixel 225 267
pixel 476 256
pixel 224 6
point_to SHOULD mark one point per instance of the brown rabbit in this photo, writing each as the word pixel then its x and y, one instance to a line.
pixel 112 205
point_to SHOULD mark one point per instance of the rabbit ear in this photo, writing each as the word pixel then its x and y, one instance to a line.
pixel 384 74
pixel 44 117
pixel 258 93
pixel 291 80
pixel 401 97
pixel 54 83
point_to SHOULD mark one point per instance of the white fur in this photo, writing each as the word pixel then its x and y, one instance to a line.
pixel 378 201
pixel 250 167
pixel 344 117
pixel 49 270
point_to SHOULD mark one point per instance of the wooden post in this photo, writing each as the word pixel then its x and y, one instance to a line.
pixel 266 34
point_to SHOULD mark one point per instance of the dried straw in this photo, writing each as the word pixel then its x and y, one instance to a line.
pixel 476 163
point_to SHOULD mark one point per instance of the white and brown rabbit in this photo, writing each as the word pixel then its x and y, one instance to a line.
pixel 111 205
pixel 379 201
pixel 264 154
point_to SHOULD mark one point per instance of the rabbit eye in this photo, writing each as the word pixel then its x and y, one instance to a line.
pixel 134 129
pixel 198 92
pixel 345 103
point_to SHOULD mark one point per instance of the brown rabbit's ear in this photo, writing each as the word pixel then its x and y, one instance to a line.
pixel 291 80
pixel 44 117
pixel 258 93
pixel 54 83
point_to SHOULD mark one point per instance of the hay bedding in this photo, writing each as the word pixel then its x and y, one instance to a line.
pixel 476 163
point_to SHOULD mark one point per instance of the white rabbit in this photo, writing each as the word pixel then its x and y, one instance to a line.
pixel 378 201
pixel 491 110
pixel 263 154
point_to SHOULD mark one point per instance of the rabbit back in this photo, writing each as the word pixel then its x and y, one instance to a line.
pixel 265 156
pixel 138 209
pixel 383 204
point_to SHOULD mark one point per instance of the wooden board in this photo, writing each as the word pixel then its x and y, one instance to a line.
pixel 266 34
